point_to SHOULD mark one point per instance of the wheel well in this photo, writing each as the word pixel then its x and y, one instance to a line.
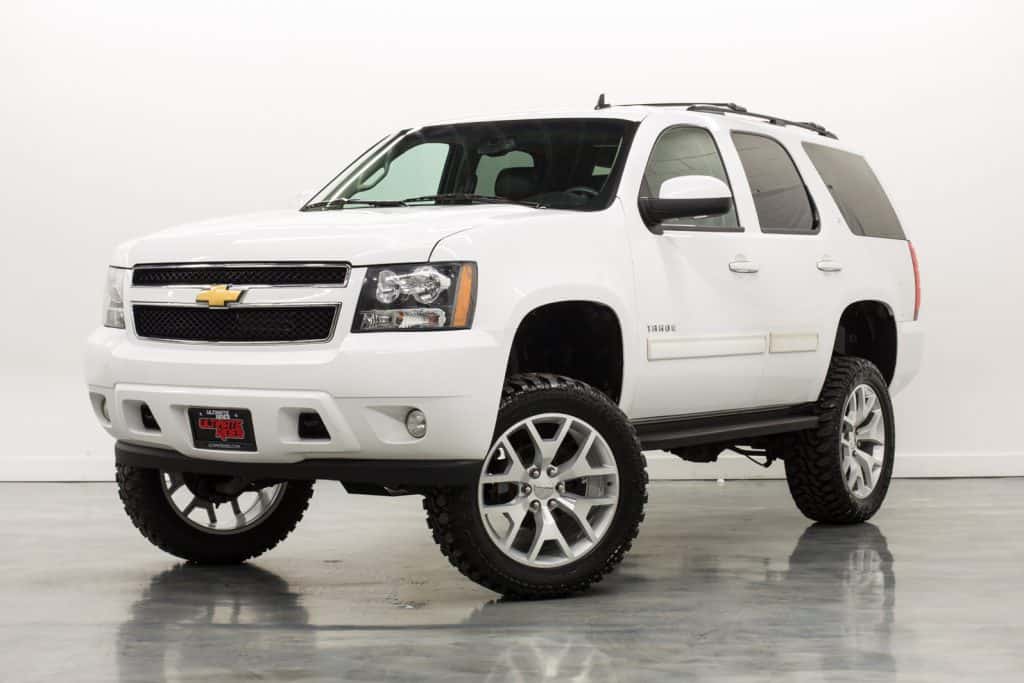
pixel 867 329
pixel 579 339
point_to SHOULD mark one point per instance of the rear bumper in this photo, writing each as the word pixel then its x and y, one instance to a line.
pixel 396 474
pixel 909 350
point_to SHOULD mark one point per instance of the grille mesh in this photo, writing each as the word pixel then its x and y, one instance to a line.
pixel 272 324
pixel 240 274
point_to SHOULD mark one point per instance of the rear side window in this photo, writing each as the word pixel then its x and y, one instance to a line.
pixel 857 192
pixel 780 196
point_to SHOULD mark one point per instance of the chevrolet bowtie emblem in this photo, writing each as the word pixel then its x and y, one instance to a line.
pixel 219 296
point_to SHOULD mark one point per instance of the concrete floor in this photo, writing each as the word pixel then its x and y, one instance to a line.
pixel 726 581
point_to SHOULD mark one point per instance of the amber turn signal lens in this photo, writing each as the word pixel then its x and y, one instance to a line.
pixel 464 296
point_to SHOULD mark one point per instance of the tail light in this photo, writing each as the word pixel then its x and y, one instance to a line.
pixel 917 280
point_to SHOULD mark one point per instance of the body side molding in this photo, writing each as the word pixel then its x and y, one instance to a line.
pixel 667 348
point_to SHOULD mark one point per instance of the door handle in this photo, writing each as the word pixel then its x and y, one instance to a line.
pixel 743 267
pixel 829 266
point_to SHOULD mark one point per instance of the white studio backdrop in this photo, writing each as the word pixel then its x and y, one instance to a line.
pixel 119 118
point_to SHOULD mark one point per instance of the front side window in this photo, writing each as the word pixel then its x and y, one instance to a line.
pixel 682 151
pixel 555 163
pixel 857 192
pixel 782 201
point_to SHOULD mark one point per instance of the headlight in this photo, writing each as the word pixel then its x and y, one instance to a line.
pixel 113 298
pixel 425 296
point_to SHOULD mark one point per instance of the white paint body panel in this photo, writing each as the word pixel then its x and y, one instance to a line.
pixel 727 340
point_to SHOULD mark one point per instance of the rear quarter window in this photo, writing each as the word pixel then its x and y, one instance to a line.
pixel 856 191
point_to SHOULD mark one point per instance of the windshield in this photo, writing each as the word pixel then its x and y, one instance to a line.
pixel 552 163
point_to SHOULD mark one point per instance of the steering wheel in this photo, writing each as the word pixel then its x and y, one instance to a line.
pixel 589 192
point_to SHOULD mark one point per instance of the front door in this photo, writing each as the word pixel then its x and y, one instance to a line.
pixel 697 294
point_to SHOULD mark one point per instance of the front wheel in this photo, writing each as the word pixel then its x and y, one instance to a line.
pixel 207 519
pixel 560 496
pixel 839 472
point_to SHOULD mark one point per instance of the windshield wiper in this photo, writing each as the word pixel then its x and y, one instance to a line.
pixel 340 203
pixel 471 199
pixel 446 197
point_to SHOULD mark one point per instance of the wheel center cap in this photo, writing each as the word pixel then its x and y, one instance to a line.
pixel 543 491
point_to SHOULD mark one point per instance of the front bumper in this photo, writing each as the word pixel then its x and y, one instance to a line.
pixel 362 386
pixel 396 474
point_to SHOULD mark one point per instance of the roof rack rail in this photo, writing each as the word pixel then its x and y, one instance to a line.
pixel 731 106
pixel 774 120
pixel 727 108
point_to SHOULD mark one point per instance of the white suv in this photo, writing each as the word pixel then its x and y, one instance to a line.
pixel 499 315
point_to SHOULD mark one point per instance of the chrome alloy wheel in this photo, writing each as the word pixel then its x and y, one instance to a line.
pixel 548 490
pixel 862 441
pixel 244 510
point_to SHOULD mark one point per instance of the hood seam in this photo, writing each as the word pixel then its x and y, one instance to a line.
pixel 430 256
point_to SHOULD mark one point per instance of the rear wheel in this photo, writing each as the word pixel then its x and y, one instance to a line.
pixel 839 472
pixel 560 495
pixel 208 519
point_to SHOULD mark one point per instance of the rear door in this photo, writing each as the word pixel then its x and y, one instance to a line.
pixel 801 274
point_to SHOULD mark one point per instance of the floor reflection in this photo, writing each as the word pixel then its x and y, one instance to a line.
pixel 829 611
pixel 843 580
pixel 195 621
pixel 826 606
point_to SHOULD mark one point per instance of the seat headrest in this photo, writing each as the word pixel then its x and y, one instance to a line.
pixel 516 183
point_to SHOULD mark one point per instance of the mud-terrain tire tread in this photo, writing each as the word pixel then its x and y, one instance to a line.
pixel 450 510
pixel 142 495
pixel 812 471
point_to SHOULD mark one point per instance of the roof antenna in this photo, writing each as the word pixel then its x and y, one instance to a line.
pixel 601 104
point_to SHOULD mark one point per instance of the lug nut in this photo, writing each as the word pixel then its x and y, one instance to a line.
pixel 560 487
pixel 527 489
pixel 552 503
pixel 534 473
pixel 552 471
pixel 535 505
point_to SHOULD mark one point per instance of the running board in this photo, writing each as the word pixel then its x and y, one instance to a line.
pixel 719 428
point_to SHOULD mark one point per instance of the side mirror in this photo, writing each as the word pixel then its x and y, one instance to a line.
pixel 688 196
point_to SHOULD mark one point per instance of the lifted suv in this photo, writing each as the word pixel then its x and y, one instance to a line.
pixel 500 316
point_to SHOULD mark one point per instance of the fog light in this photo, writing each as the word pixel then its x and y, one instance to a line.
pixel 416 424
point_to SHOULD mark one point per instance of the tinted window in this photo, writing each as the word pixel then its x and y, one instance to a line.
pixel 857 192
pixel 682 151
pixel 489 166
pixel 558 163
pixel 411 174
pixel 780 197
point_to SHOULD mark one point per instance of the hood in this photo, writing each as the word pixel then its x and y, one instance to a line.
pixel 362 236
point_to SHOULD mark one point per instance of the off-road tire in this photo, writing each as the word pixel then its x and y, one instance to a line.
pixel 813 462
pixel 142 494
pixel 456 525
